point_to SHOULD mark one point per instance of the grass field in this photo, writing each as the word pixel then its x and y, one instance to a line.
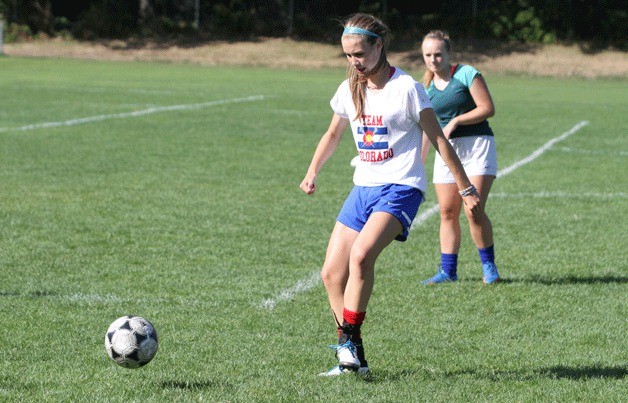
pixel 171 192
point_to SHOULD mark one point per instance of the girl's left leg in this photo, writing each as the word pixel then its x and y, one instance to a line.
pixel 380 230
pixel 480 227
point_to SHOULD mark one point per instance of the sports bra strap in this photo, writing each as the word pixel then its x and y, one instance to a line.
pixel 453 69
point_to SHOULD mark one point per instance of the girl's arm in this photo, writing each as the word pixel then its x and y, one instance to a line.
pixel 425 147
pixel 484 107
pixel 326 147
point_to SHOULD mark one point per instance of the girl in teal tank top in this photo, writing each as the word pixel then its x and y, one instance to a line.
pixel 462 103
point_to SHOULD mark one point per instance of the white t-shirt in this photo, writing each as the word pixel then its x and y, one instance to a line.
pixel 387 136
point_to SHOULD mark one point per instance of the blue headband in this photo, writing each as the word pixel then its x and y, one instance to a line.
pixel 360 31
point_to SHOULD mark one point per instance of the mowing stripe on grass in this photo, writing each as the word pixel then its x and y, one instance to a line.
pixel 305 285
pixel 143 112
pixel 561 195
pixel 591 152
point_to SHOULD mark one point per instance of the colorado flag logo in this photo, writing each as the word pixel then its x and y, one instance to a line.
pixel 373 138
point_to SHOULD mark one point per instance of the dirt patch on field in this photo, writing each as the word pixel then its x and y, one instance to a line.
pixel 554 60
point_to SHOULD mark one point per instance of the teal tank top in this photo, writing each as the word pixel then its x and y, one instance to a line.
pixel 455 100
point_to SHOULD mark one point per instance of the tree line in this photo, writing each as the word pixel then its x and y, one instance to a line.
pixel 601 22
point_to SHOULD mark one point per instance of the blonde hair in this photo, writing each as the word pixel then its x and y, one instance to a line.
pixel 428 76
pixel 357 83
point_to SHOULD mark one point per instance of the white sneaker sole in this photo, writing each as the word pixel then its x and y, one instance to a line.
pixel 338 370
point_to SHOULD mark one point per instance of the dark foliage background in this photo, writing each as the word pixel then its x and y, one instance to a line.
pixel 601 22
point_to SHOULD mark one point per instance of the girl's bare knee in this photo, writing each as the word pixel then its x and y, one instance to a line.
pixel 449 214
pixel 331 278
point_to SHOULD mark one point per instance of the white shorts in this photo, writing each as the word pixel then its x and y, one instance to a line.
pixel 477 154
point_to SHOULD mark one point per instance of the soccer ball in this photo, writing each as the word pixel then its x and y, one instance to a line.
pixel 131 341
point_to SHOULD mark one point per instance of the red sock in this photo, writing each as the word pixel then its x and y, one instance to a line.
pixel 353 318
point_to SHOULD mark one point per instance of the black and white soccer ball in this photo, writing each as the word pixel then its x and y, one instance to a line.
pixel 131 341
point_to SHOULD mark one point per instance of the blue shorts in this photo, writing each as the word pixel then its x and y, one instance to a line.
pixel 401 201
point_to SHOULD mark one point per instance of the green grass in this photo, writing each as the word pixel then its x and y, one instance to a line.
pixel 193 218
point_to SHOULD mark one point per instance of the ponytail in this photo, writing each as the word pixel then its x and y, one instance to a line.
pixel 428 77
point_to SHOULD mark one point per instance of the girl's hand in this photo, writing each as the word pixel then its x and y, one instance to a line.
pixel 451 126
pixel 308 185
pixel 472 202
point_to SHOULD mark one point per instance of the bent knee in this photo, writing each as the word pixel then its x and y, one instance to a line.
pixel 362 259
pixel 331 276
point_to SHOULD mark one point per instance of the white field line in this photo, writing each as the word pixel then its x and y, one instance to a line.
pixel 313 280
pixel 88 299
pixel 541 150
pixel 98 90
pixel 143 112
pixel 424 216
pixel 112 299
pixel 289 293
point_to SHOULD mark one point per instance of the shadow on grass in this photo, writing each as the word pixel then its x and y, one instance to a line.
pixel 195 385
pixel 570 280
pixel 562 372
pixel 478 280
pixel 556 372
pixel 567 280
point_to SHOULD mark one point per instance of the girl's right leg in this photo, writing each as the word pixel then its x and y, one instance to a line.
pixel 450 204
pixel 335 272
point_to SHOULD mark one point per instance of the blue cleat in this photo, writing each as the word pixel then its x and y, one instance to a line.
pixel 489 273
pixel 440 277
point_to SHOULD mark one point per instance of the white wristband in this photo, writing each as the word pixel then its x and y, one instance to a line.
pixel 468 191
